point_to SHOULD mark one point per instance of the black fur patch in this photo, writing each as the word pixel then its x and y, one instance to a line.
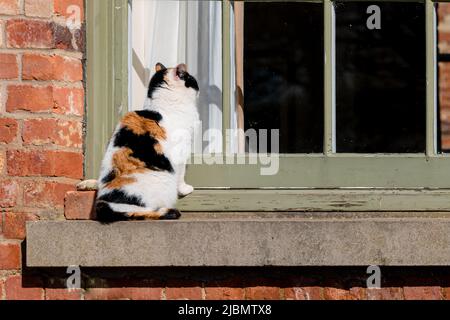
pixel 143 149
pixel 106 215
pixel 149 114
pixel 156 82
pixel 172 214
pixel 120 197
pixel 190 82
pixel 109 177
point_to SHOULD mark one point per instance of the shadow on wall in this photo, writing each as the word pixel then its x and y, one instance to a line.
pixel 280 277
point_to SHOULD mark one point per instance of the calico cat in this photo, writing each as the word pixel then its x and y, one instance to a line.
pixel 142 173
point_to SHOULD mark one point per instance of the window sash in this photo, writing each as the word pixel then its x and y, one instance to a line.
pixel 356 160
pixel 107 82
pixel 329 72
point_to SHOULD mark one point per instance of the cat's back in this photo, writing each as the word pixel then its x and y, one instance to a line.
pixel 136 146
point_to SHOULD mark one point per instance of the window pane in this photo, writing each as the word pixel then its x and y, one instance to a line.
pixel 173 32
pixel 443 12
pixel 380 77
pixel 283 72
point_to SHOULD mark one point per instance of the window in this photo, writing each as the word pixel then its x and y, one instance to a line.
pixel 348 88
pixel 380 79
pixel 283 72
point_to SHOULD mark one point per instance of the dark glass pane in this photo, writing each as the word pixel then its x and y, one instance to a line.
pixel 380 78
pixel 283 72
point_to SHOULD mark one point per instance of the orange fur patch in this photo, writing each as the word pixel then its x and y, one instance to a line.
pixel 139 125
pixel 120 182
pixel 158 148
pixel 124 164
pixel 148 215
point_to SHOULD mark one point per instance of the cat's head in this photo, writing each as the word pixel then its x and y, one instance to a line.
pixel 169 83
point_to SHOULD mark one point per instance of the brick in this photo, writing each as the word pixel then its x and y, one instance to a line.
pixel 44 163
pixel 15 290
pixel 9 7
pixel 422 293
pixel 39 8
pixel 52 132
pixel 2 288
pixel 262 293
pixel 29 98
pixel 62 294
pixel 446 293
pixel 68 69
pixel 69 134
pixel 45 99
pixel 2 33
pixel 224 293
pixel 79 36
pixel 146 293
pixel 225 289
pixel 2 162
pixel 14 224
pixel 9 68
pixel 8 130
pixel 69 101
pixel 9 256
pixel 69 8
pixel 39 131
pixel 3 97
pixel 51 67
pixel 330 293
pixel 63 37
pixel 303 293
pixel 30 34
pixel 358 293
pixel 389 293
pixel 106 294
pixel 38 67
pixel 45 194
pixel 184 293
pixel 79 205
pixel 123 293
pixel 9 192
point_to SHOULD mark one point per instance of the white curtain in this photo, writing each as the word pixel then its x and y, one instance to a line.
pixel 173 32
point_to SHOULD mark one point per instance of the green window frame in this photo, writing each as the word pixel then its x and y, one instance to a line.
pixel 106 76
pixel 319 182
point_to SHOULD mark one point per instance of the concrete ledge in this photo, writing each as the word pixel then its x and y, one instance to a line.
pixel 243 240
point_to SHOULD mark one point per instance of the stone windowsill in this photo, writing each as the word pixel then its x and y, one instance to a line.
pixel 246 239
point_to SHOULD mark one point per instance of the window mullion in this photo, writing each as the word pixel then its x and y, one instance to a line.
pixel 329 79
pixel 431 103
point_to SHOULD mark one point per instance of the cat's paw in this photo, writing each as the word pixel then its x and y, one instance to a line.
pixel 184 190
pixel 171 214
pixel 87 185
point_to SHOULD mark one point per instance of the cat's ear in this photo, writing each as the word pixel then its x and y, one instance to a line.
pixel 159 66
pixel 182 68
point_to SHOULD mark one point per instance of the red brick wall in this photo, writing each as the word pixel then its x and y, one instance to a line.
pixel 41 122
pixel 41 141
pixel 312 283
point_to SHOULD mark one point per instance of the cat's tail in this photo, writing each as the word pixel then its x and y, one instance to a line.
pixel 106 214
